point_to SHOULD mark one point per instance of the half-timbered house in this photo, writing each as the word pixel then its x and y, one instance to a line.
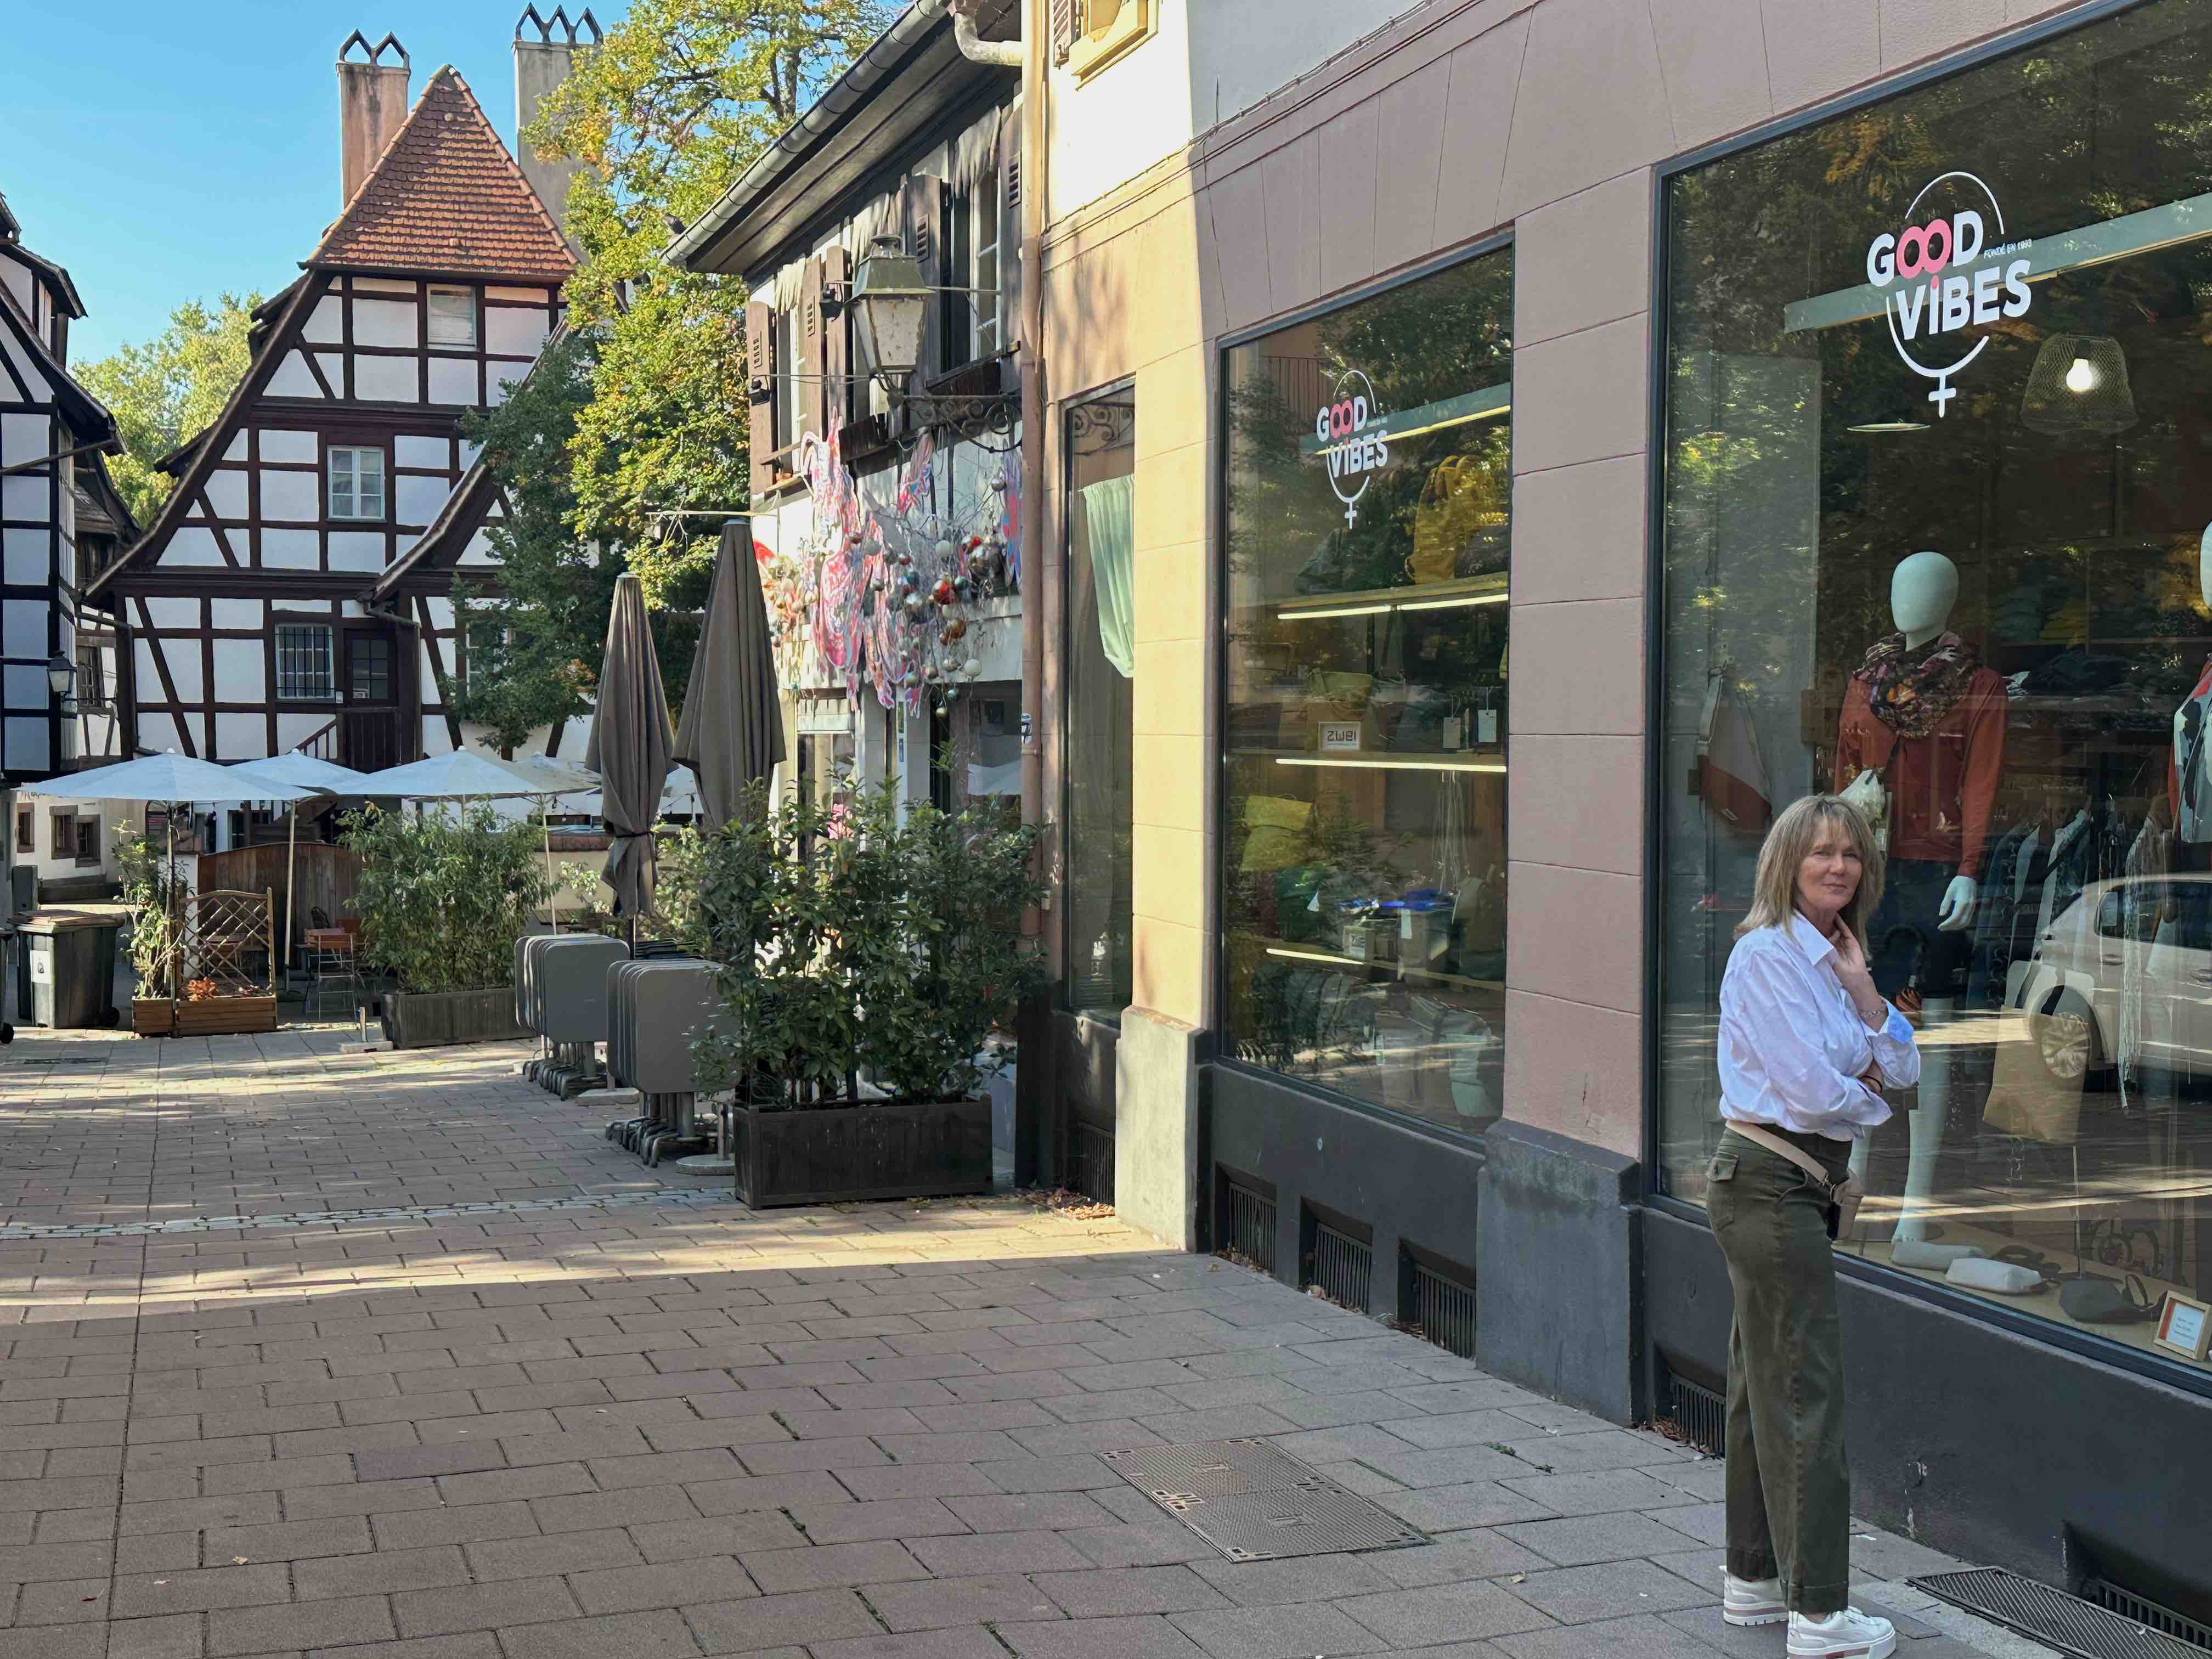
pixel 59 519
pixel 255 601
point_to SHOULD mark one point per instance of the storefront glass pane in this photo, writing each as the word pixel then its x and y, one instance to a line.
pixel 1363 834
pixel 1100 446
pixel 1938 477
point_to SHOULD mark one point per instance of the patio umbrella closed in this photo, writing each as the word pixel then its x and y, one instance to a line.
pixel 629 748
pixel 731 732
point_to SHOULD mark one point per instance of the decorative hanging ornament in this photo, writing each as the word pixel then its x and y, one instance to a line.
pixel 944 549
pixel 943 593
pixel 971 668
pixel 952 694
pixel 960 586
pixel 915 604
pixel 998 483
pixel 955 629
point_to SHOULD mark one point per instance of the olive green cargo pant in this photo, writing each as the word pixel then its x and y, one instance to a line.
pixel 1789 1494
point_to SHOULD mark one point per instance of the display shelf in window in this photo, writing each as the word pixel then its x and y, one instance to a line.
pixel 1461 593
pixel 1380 760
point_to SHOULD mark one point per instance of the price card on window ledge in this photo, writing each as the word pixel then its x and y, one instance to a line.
pixel 2184 1326
pixel 1339 737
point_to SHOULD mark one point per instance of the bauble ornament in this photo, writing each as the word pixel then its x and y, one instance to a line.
pixel 943 593
pixel 955 629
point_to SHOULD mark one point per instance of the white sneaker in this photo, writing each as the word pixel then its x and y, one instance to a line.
pixel 1752 1600
pixel 1850 1634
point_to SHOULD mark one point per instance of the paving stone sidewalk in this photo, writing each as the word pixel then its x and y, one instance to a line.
pixel 543 1403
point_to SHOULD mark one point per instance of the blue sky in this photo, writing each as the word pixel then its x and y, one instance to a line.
pixel 166 152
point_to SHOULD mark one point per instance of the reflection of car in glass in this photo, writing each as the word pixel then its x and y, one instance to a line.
pixel 2144 941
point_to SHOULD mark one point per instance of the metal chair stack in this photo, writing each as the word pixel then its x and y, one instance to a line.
pixel 561 993
pixel 655 1010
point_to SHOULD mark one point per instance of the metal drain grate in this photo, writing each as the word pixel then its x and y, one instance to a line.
pixel 1443 1307
pixel 2141 1610
pixel 1248 1225
pixel 1343 1266
pixel 1254 1502
pixel 2052 1617
pixel 1700 1414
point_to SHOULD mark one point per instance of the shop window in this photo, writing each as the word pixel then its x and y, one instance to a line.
pixel 356 483
pixel 452 318
pixel 1102 660
pixel 1934 524
pixel 304 668
pixel 1363 831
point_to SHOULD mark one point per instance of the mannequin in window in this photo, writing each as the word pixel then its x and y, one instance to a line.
pixel 2189 785
pixel 1924 714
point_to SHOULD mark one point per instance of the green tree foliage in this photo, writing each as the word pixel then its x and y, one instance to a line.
pixel 169 388
pixel 442 899
pixel 665 114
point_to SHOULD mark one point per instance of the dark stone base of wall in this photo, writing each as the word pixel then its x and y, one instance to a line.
pixel 1558 1226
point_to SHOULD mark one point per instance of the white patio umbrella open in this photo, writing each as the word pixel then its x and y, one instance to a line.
pixel 304 771
pixel 167 778
pixel 457 774
pixel 555 779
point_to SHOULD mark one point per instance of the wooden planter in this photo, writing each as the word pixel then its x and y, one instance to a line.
pixel 223 1016
pixel 153 1016
pixel 434 1019
pixel 866 1151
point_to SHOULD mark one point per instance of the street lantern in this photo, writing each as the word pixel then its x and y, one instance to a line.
pixel 890 303
pixel 61 680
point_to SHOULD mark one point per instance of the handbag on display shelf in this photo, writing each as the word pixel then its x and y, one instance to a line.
pixel 1869 796
pixel 1458 502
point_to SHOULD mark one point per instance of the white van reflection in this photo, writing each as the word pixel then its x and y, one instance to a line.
pixel 2125 970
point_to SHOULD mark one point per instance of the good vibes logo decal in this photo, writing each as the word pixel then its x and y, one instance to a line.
pixel 1930 292
pixel 1352 435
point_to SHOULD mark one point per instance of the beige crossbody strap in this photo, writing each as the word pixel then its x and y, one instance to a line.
pixel 1846 1195
pixel 1774 1143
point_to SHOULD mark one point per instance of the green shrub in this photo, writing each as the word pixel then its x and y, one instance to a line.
pixel 854 945
pixel 155 893
pixel 443 899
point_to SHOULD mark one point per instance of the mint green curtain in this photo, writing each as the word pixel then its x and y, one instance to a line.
pixel 1110 515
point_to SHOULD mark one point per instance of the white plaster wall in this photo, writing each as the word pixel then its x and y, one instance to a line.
pixel 517 332
pixel 291 496
pixel 293 549
pixel 240 670
pixel 383 323
pixel 24 556
pixel 23 629
pixel 226 493
pixel 292 378
pixel 237 613
pixel 417 499
pixel 192 544
pixel 325 324
pixel 409 450
pixel 453 381
pixel 23 498
pixel 357 550
pixel 384 379
pixel 278 444
pixel 241 737
pixel 173 613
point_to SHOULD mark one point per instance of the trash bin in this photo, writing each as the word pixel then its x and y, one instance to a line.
pixel 70 957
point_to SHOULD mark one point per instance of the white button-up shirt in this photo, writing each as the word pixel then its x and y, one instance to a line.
pixel 1793 1046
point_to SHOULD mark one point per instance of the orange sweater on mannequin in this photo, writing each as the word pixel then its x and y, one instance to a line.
pixel 1942 786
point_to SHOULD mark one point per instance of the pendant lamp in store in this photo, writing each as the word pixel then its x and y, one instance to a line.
pixel 2079 384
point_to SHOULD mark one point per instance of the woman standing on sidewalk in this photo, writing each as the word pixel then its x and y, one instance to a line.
pixel 1806 1045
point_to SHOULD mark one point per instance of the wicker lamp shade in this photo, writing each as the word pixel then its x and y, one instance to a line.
pixel 2079 384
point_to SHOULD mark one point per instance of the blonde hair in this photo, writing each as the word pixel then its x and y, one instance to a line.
pixel 1774 888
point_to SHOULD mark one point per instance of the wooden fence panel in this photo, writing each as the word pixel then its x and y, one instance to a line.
pixel 327 878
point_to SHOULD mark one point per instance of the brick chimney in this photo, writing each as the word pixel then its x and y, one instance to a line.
pixel 372 104
pixel 544 51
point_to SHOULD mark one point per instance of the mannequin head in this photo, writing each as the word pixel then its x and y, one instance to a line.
pixel 1922 592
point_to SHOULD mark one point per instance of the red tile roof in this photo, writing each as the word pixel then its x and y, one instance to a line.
pixel 446 198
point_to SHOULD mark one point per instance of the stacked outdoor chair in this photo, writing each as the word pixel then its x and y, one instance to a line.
pixel 655 1010
pixel 561 993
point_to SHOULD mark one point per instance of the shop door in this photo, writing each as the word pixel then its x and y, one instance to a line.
pixel 369 737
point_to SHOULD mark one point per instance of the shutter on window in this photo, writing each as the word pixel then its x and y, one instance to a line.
pixel 1066 20
pixel 836 342
pixel 760 374
pixel 1010 225
pixel 922 217
pixel 813 408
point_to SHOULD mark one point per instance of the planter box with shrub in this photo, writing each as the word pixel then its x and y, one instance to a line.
pixel 432 1019
pixel 223 1016
pixel 869 1149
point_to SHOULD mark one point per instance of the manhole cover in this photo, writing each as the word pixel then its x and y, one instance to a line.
pixel 2065 1622
pixel 1255 1502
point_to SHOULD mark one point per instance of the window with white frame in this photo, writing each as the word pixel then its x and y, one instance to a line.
pixel 452 320
pixel 983 231
pixel 483 653
pixel 356 483
pixel 304 663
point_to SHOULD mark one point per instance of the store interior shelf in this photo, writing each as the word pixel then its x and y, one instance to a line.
pixel 1458 759
pixel 1288 951
pixel 1466 590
